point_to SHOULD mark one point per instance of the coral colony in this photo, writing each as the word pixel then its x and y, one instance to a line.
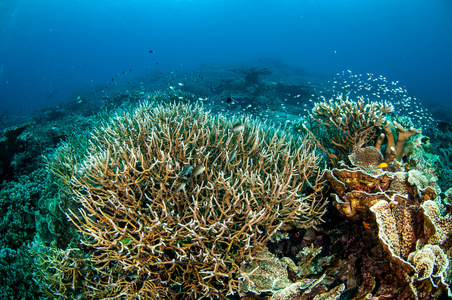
pixel 173 201
pixel 170 201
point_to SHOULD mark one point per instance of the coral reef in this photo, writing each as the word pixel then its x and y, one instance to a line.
pixel 440 138
pixel 341 126
pixel 265 273
pixel 16 281
pixel 405 214
pixel 10 144
pixel 167 201
pixel 304 290
pixel 170 200
pixel 19 212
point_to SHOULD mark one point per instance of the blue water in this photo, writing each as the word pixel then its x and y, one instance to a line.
pixel 50 49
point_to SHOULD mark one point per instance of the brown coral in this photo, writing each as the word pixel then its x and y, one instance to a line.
pixel 395 149
pixel 411 226
pixel 438 227
pixel 356 191
pixel 341 126
pixel 173 199
pixel 429 261
pixel 368 158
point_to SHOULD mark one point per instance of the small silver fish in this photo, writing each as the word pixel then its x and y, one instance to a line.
pixel 180 186
pixel 198 170
pixel 237 127
pixel 186 171
pixel 233 154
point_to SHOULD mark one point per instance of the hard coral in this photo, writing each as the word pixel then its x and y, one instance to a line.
pixel 438 226
pixel 410 223
pixel 341 126
pixel 429 261
pixel 395 149
pixel 172 200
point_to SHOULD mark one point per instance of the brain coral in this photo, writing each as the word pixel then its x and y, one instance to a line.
pixel 171 199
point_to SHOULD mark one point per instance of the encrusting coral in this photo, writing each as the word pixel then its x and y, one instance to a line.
pixel 170 200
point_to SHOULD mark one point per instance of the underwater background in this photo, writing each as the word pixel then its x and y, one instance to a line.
pixel 50 49
pixel 185 149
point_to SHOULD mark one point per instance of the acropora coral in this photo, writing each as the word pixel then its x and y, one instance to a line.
pixel 339 126
pixel 171 201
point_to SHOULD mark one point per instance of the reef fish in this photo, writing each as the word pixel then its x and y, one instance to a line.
pixel 198 170
pixel 180 186
pixel 382 165
pixel 186 171
pixel 237 127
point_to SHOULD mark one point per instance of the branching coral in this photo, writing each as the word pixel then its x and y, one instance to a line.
pixel 171 200
pixel 395 149
pixel 341 126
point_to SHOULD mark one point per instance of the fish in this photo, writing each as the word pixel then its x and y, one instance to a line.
pixel 180 186
pixel 382 165
pixel 151 51
pixel 233 154
pixel 198 170
pixel 229 100
pixel 186 171
pixel 237 127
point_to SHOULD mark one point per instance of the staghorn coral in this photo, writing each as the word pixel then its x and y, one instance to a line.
pixel 172 200
pixel 341 126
